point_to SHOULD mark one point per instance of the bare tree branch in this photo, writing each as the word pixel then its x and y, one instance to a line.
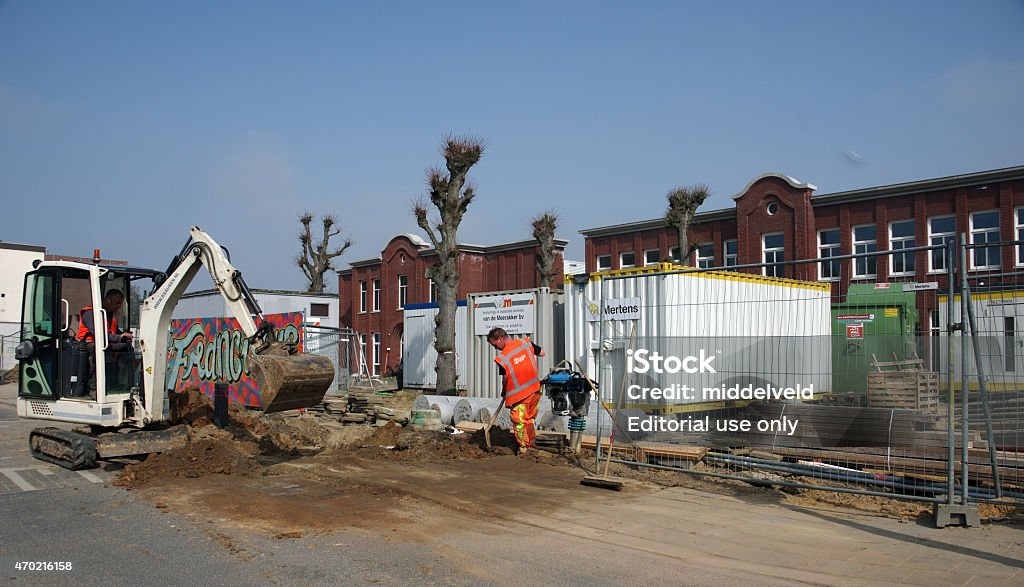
pixel 544 226
pixel 683 202
pixel 315 258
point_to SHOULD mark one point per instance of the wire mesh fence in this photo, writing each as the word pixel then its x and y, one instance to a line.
pixel 336 344
pixel 845 373
pixel 7 344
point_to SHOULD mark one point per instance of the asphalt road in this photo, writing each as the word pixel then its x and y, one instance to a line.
pixel 105 535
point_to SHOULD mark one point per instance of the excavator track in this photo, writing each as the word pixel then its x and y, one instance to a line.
pixel 67 449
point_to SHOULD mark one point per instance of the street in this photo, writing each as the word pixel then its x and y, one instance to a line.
pixel 312 528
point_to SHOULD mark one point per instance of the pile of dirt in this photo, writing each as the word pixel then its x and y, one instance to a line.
pixel 201 457
pixel 386 435
pixel 394 443
pixel 191 406
pixel 9 376
pixel 503 442
pixel 288 435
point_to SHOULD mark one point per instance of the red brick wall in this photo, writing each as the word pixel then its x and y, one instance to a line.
pixel 478 271
pixel 794 217
pixel 799 220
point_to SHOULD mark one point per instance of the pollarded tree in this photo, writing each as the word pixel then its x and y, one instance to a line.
pixel 315 258
pixel 544 227
pixel 451 195
pixel 682 205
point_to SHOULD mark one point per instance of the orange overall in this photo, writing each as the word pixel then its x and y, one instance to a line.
pixel 522 388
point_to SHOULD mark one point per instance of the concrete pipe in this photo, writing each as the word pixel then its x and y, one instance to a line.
pixel 444 404
pixel 549 422
pixel 468 408
pixel 504 419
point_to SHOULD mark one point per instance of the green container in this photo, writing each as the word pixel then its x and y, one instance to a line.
pixel 874 324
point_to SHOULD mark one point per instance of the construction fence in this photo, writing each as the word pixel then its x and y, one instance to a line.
pixel 896 386
pixel 7 344
pixel 339 344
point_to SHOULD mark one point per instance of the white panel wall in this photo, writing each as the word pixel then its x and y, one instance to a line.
pixel 14 264
pixel 418 354
pixel 774 329
pixel 547 332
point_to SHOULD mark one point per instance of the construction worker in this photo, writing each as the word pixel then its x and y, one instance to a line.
pixel 112 302
pixel 520 382
pixel 117 342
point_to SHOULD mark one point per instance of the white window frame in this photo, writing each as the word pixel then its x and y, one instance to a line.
pixel 362 296
pixel 433 292
pixel 706 261
pixel 376 294
pixel 1018 234
pixel 939 238
pixel 376 354
pixel 988 232
pixel 897 243
pixel 771 256
pixel 623 264
pixel 861 247
pixel 647 257
pixel 607 265
pixel 362 354
pixel 731 258
pixel 673 253
pixel 828 250
pixel 403 291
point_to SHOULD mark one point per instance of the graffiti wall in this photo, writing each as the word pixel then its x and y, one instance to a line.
pixel 204 351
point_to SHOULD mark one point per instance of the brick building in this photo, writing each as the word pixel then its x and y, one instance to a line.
pixel 777 218
pixel 373 292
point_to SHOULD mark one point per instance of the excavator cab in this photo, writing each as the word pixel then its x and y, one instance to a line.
pixel 60 358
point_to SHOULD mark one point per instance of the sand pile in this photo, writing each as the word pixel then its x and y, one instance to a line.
pixel 207 456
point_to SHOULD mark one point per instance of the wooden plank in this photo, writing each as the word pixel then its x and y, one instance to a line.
pixel 467 426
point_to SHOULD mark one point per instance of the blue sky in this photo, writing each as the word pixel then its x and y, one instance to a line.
pixel 123 123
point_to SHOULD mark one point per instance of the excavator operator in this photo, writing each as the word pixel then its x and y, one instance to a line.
pixel 118 347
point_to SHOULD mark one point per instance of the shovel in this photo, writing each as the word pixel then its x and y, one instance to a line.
pixel 494 418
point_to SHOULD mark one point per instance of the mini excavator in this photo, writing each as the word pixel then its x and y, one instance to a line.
pixel 127 410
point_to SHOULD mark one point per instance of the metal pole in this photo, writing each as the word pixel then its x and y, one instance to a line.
pixel 983 392
pixel 600 365
pixel 964 428
pixel 950 416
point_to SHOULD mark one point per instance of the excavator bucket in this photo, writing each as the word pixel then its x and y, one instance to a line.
pixel 291 382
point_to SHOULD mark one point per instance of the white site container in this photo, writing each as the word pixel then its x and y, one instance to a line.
pixel 535 313
pixel 418 355
pixel 999 319
pixel 751 330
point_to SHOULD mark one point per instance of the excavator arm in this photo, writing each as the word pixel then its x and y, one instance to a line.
pixel 286 379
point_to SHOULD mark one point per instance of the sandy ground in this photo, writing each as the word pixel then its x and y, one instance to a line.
pixel 391 463
pixel 287 477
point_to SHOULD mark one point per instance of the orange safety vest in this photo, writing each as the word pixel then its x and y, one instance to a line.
pixel 520 364
pixel 83 331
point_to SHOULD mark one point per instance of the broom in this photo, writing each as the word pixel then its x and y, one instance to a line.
pixel 603 481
